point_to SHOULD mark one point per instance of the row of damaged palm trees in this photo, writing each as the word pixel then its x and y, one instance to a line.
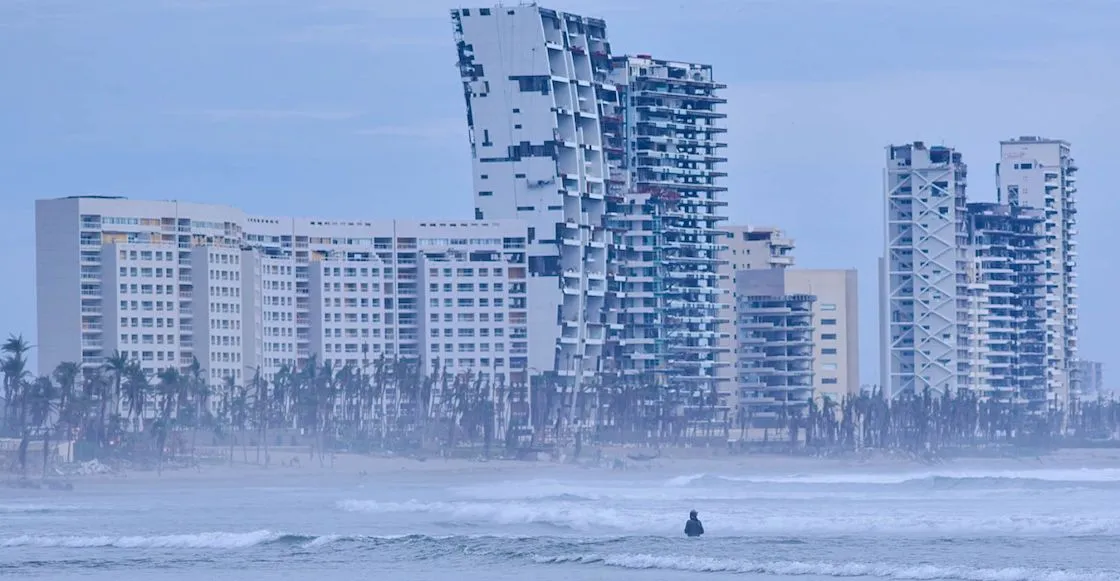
pixel 926 422
pixel 387 403
pixel 96 406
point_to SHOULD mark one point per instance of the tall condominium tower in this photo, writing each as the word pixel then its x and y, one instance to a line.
pixel 533 80
pixel 1008 305
pixel 1040 173
pixel 925 273
pixel 664 149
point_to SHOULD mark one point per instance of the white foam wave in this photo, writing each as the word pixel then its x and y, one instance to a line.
pixel 1084 475
pixel 745 521
pixel 563 515
pixel 796 568
pixel 903 486
pixel 213 540
pixel 14 509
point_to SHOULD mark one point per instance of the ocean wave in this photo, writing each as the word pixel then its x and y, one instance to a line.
pixel 229 540
pixel 741 521
pixel 213 540
pixel 822 569
pixel 561 515
pixel 1065 477
pixel 16 509
pixel 807 487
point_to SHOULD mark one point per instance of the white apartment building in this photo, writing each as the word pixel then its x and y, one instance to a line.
pixel 757 247
pixel 219 326
pixel 476 314
pixel 832 347
pixel 138 311
pixel 274 306
pixel 167 282
pixel 836 336
pixel 1040 173
pixel 924 275
pixel 775 362
pixel 351 325
pixel 533 79
pixel 747 248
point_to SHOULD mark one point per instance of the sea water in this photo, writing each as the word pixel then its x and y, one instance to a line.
pixel 1023 525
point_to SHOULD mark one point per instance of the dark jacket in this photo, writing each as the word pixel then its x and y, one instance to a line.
pixel 693 528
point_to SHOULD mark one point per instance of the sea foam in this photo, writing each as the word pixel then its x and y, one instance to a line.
pixel 824 569
pixel 750 521
pixel 212 540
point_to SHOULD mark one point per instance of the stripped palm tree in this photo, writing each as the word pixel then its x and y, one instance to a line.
pixel 169 392
pixel 198 390
pixel 66 374
pixel 261 410
pixel 135 393
pixel 40 403
pixel 118 366
pixel 14 366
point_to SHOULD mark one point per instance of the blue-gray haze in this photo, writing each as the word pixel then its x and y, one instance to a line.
pixel 947 525
pixel 353 107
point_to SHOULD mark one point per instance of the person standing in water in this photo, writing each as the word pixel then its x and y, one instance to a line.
pixel 693 527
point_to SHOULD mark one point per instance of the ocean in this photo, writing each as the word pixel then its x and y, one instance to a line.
pixel 937 524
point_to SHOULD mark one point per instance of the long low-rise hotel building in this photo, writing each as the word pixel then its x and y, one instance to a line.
pixel 166 282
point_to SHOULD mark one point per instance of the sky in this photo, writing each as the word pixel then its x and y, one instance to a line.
pixel 338 108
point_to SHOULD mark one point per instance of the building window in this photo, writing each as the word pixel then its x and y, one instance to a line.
pixel 828 366
pixel 828 306
pixel 829 381
pixel 828 351
pixel 828 336
pixel 828 321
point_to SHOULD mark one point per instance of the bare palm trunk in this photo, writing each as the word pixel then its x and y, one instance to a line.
pixel 102 429
pixel 398 397
pixel 194 430
pixel 46 450
pixel 384 418
pixel 24 441
pixel 161 440
pixel 264 440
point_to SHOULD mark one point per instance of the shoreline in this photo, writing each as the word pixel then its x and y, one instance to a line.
pixel 361 468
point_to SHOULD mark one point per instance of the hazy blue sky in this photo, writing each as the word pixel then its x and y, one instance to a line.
pixel 353 107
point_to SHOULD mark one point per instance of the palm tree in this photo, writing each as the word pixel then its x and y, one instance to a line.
pixel 39 403
pixel 117 365
pixel 170 392
pixel 283 391
pixel 236 402
pixel 66 374
pixel 198 391
pixel 135 388
pixel 262 405
pixel 14 367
